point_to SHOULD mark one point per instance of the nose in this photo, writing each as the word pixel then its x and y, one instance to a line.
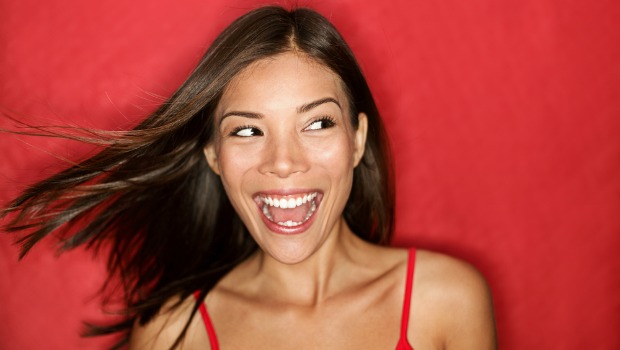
pixel 283 156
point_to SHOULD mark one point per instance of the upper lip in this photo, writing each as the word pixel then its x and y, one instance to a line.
pixel 286 192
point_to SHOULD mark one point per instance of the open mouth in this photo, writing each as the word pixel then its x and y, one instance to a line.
pixel 289 211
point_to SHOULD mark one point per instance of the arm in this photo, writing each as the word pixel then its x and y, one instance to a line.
pixel 457 301
pixel 472 321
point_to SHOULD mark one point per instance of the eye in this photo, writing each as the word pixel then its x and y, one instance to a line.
pixel 246 131
pixel 321 123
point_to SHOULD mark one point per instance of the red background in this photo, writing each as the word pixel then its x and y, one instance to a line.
pixel 504 118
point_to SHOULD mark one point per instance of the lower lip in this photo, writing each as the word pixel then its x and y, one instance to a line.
pixel 285 230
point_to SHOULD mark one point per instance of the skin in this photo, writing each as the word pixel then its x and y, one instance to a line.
pixel 323 288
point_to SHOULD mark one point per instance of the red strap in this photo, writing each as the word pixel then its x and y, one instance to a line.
pixel 404 323
pixel 207 321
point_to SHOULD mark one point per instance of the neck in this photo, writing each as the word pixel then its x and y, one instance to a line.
pixel 317 278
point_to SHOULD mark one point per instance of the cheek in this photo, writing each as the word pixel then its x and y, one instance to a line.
pixel 337 148
pixel 234 162
pixel 334 156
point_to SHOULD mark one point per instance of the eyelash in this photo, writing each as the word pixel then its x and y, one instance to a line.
pixel 257 132
pixel 329 120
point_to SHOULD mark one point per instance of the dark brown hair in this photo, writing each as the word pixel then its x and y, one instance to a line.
pixel 150 197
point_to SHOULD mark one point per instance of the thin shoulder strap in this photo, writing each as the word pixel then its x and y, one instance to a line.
pixel 404 323
pixel 207 321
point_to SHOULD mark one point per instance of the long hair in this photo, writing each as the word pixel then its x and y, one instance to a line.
pixel 150 198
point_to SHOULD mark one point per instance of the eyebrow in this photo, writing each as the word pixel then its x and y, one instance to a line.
pixel 308 106
pixel 241 114
pixel 301 109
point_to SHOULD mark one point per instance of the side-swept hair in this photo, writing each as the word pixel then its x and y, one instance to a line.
pixel 150 197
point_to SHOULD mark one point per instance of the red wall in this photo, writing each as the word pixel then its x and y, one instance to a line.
pixel 504 118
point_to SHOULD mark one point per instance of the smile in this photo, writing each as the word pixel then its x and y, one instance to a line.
pixel 288 211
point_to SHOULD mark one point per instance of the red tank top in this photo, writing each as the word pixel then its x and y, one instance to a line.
pixel 403 343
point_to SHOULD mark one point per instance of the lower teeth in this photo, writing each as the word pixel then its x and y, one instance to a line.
pixel 290 223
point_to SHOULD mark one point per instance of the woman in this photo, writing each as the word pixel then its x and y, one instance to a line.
pixel 253 208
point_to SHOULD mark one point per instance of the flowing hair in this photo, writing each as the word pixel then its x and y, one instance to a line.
pixel 152 201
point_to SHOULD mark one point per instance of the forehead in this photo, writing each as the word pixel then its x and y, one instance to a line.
pixel 281 82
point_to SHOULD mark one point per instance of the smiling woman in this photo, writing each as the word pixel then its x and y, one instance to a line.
pixel 291 143
pixel 254 208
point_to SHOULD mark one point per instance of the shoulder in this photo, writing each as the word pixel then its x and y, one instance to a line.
pixel 455 298
pixel 162 331
pixel 450 274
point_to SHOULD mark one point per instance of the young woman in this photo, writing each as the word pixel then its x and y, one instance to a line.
pixel 253 209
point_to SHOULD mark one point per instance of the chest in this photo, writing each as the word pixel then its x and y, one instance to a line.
pixel 350 323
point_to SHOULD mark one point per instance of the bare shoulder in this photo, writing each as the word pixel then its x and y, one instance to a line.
pixel 455 299
pixel 161 332
pixel 449 274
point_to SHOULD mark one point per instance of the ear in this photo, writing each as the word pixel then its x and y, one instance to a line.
pixel 211 156
pixel 360 138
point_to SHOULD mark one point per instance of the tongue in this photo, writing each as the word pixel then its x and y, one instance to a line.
pixel 297 214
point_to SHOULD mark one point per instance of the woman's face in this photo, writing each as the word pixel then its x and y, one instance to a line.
pixel 285 150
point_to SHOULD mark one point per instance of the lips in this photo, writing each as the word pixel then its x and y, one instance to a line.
pixel 287 212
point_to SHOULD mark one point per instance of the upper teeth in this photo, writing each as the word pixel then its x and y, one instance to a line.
pixel 288 203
